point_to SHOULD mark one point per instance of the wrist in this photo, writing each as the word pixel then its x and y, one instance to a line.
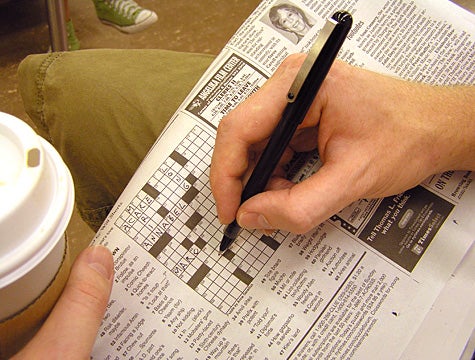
pixel 453 121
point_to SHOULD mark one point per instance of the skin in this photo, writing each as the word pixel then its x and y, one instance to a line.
pixel 70 330
pixel 377 136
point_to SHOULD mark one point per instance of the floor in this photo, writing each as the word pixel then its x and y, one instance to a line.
pixel 195 26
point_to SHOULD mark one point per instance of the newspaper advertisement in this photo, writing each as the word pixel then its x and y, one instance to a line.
pixel 357 286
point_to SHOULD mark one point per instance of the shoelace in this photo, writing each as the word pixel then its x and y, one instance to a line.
pixel 124 7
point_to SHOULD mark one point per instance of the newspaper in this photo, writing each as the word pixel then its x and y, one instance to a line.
pixel 358 286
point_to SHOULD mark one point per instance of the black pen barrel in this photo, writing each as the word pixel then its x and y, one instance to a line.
pixel 295 112
pixel 293 115
pixel 272 153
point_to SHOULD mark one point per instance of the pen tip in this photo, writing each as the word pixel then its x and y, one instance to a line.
pixel 225 243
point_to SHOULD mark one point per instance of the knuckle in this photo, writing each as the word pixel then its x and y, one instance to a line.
pixel 299 220
pixel 305 220
pixel 293 60
pixel 303 224
pixel 225 126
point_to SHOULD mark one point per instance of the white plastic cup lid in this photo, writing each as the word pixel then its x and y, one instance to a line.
pixel 36 199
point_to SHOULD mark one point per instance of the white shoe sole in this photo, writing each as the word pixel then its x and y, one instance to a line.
pixel 131 29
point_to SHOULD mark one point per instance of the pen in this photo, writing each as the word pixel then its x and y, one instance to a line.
pixel 299 98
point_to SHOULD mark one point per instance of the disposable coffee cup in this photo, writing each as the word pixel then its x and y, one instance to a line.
pixel 36 204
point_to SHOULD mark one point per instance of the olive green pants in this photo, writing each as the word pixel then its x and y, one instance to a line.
pixel 102 110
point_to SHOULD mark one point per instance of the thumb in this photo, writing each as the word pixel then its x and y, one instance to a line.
pixel 71 328
pixel 299 207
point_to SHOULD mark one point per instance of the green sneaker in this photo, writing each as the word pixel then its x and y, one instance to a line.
pixel 125 15
pixel 73 41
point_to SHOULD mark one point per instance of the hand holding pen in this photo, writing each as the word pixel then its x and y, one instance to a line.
pixel 376 135
pixel 299 98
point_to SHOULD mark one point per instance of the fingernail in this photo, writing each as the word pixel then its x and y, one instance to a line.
pixel 100 259
pixel 254 221
pixel 268 232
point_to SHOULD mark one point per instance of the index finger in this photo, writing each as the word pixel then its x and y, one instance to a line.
pixel 251 122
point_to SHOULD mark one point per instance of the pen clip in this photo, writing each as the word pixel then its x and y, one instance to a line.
pixel 325 33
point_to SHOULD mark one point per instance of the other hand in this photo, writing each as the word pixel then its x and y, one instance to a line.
pixel 71 328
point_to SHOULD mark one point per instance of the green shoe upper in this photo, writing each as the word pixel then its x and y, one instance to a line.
pixel 118 12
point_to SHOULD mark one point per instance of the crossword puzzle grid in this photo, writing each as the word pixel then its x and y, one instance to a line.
pixel 173 218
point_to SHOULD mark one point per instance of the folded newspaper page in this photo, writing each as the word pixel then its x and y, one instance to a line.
pixel 358 286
